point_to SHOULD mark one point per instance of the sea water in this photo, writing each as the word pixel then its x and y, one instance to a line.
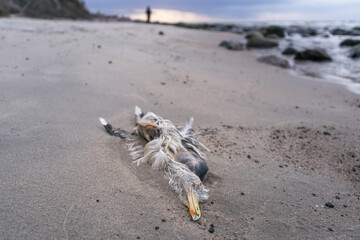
pixel 342 69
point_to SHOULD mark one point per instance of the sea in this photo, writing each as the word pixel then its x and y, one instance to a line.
pixel 341 70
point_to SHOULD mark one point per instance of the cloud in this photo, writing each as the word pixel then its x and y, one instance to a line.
pixel 171 16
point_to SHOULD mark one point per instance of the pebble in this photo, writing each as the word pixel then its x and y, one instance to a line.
pixel 161 33
pixel 163 220
pixel 212 202
pixel 330 229
pixel 329 204
pixel 97 200
pixel 211 230
pixel 249 156
pixel 242 193
pixel 212 225
pixel 327 133
pixel 338 197
pixel 157 228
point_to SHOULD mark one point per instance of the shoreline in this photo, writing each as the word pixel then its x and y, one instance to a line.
pixel 285 147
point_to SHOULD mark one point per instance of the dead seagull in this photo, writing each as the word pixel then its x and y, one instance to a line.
pixel 174 150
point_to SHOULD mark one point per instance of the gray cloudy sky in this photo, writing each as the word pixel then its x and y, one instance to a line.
pixel 232 10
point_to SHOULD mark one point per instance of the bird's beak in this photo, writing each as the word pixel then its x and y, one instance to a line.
pixel 194 208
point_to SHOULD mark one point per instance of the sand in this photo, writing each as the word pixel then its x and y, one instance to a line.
pixel 285 145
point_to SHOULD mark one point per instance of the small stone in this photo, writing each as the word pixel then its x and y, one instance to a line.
pixel 330 229
pixel 256 161
pixel 345 206
pixel 212 202
pixel 157 228
pixel 161 33
pixel 281 166
pixel 338 197
pixel 163 220
pixel 99 46
pixel 212 225
pixel 163 83
pixel 97 200
pixel 249 156
pixel 329 204
pixel 313 194
pixel 110 62
pixel 137 237
pixel 211 230
pixel 327 133
pixel 242 193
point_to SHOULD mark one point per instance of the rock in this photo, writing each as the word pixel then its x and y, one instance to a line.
pixel 289 51
pixel 261 43
pixel 211 230
pixel 161 33
pixel 316 54
pixel 232 45
pixel 3 12
pixel 254 34
pixel 355 52
pixel 329 204
pixel 157 228
pixel 276 30
pixel 349 42
pixel 272 36
pixel 275 60
pixel 224 44
pixel 303 31
pixel 340 31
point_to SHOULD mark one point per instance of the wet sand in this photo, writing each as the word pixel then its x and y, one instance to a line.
pixel 285 145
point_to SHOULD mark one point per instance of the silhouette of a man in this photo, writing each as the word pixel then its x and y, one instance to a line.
pixel 148 14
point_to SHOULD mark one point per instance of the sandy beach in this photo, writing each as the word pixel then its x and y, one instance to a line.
pixel 285 147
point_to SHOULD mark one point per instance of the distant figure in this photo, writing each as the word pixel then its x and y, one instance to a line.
pixel 148 14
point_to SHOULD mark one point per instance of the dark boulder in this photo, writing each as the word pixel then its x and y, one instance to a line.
pixel 232 45
pixel 303 31
pixel 289 51
pixel 275 60
pixel 277 30
pixel 340 31
pixel 316 54
pixel 254 34
pixel 349 42
pixel 355 52
pixel 3 12
pixel 261 43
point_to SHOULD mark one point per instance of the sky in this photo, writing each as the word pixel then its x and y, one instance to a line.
pixel 231 10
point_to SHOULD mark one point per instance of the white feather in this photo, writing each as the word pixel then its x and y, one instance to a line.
pixel 103 121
